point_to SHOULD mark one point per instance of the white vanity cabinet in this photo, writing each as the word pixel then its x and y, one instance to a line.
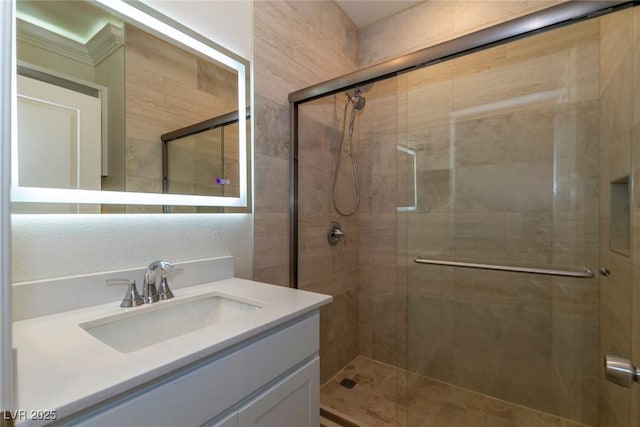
pixel 270 380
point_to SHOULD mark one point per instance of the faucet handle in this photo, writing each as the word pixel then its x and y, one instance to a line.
pixel 132 298
pixel 163 290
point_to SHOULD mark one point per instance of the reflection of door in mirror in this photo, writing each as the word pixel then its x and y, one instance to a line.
pixel 59 134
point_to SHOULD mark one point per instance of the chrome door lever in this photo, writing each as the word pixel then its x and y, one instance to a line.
pixel 620 371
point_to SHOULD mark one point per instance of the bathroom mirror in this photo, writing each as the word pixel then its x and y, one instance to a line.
pixel 98 83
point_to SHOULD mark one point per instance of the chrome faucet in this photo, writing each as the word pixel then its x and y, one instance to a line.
pixel 149 292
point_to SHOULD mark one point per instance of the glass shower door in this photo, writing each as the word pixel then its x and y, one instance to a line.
pixel 500 161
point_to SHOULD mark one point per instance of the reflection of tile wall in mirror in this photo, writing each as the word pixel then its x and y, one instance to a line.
pixel 194 163
pixel 167 89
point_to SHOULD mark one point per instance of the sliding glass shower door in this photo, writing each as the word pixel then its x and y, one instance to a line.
pixel 501 164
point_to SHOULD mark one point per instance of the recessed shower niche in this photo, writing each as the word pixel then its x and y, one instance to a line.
pixel 619 217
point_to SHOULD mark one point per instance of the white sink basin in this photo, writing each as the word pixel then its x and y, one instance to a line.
pixel 144 326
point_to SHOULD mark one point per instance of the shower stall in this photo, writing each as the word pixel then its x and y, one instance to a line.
pixel 491 179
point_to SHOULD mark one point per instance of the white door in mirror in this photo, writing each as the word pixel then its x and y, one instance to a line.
pixel 59 133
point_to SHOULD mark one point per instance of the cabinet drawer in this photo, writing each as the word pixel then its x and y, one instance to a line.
pixel 198 395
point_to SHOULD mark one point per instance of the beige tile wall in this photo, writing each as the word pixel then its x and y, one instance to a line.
pixel 298 44
pixel 378 123
pixel 619 298
pixel 434 22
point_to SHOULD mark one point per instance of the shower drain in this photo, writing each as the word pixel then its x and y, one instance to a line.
pixel 348 383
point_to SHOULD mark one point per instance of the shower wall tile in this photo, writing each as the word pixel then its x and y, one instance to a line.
pixel 431 23
pixel 436 144
pixel 435 190
pixel 274 127
pixel 297 44
pixel 498 187
pixel 381 321
pixel 429 98
pixel 272 189
pixel 273 251
pixel 615 163
pixel 339 329
pixel 501 87
pixel 324 268
pixel 616 105
pixel 618 291
pixel 378 155
pixel 635 213
pixel 617 36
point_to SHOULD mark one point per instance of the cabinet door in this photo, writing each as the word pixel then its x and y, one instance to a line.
pixel 294 401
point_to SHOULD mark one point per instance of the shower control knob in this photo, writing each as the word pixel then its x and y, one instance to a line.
pixel 334 233
pixel 620 371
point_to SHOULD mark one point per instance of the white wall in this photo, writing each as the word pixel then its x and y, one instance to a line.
pixel 60 245
pixel 227 22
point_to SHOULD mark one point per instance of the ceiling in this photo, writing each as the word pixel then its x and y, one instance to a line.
pixel 365 12
pixel 79 19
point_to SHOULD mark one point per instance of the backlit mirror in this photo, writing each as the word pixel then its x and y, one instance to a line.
pixel 98 86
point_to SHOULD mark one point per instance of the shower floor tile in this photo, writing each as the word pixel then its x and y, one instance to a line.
pixel 379 399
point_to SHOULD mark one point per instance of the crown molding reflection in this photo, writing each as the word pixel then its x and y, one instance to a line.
pixel 98 48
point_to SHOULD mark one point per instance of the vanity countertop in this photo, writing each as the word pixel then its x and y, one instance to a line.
pixel 62 368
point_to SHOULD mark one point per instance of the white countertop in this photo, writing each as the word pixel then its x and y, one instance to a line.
pixel 62 367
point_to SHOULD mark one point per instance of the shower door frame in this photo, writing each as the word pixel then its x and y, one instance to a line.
pixel 544 20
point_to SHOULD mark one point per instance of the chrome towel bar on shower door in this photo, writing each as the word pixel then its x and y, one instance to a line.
pixel 586 273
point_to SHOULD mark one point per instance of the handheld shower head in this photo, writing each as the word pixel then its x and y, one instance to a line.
pixel 358 102
pixel 355 96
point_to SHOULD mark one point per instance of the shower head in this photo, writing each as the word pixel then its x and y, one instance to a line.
pixel 358 102
pixel 359 90
pixel 355 96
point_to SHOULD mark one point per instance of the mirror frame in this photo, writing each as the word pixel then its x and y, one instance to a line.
pixel 166 29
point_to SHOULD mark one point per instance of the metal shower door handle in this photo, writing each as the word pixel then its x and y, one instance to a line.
pixel 620 371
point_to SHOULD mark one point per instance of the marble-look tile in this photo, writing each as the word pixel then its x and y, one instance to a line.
pixel 161 57
pixel 275 275
pixel 339 329
pixel 615 163
pixel 387 396
pixel 271 184
pixel 271 239
pixel 429 100
pixel 271 127
pixel 616 105
pixel 433 146
pixel 217 81
pixel 314 190
pixel 616 40
pixel 502 186
pixel 530 237
pixel 296 45
pixel 503 85
pixel 482 141
pixel 433 22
